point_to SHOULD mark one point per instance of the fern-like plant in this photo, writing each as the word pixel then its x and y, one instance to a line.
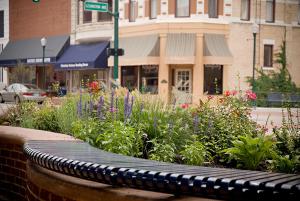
pixel 250 152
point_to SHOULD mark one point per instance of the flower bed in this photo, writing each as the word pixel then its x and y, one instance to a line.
pixel 142 126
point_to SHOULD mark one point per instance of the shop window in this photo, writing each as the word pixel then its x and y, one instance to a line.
pixel 213 79
pixel 104 16
pixel 153 9
pixel 268 55
pixel 87 15
pixel 1 23
pixel 213 8
pixel 129 77
pixel 182 8
pixel 270 12
pixel 132 10
pixel 149 79
pixel 245 10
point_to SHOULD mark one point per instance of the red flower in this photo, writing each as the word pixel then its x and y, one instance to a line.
pixel 184 106
pixel 227 93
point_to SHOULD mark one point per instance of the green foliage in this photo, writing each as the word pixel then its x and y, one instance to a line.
pixel 87 130
pixel 286 164
pixel 194 153
pixel 45 119
pixel 276 81
pixel 162 151
pixel 250 152
pixel 121 139
pixel 66 114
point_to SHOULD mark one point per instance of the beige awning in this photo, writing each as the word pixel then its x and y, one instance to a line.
pixel 216 49
pixel 180 48
pixel 139 50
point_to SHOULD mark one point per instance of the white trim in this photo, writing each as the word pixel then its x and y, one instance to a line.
pixel 264 68
pixel 268 42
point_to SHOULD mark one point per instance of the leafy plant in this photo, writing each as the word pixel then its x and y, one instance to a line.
pixel 194 153
pixel 250 152
pixel 120 138
pixel 162 151
pixel 46 119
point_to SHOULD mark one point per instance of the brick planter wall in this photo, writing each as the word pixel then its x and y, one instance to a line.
pixel 21 180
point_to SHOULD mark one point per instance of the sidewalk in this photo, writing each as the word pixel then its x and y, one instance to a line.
pixel 272 117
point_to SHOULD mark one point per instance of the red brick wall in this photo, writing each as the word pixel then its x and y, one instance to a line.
pixel 46 18
pixel 12 172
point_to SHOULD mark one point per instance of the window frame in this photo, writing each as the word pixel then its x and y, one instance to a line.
pixel 265 65
pixel 248 11
pixel 150 10
pixel 273 11
pixel 205 87
pixel 176 12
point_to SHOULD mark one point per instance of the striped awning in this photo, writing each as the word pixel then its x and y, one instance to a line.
pixel 216 50
pixel 181 48
pixel 138 50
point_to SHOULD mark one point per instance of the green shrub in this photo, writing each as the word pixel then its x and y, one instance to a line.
pixel 194 153
pixel 162 151
pixel 86 130
pixel 250 152
pixel 121 139
pixel 45 119
pixel 286 164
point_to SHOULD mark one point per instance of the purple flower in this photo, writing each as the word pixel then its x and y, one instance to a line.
pixel 196 123
pixel 99 109
pixel 85 108
pixel 112 100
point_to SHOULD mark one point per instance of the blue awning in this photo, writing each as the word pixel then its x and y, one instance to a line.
pixel 30 51
pixel 84 56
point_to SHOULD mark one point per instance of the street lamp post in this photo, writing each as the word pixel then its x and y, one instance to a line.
pixel 44 43
pixel 255 28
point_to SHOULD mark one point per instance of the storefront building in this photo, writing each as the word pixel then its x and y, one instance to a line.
pixel 188 49
pixel 23 55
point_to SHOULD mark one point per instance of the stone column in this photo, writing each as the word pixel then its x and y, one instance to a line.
pixel 198 71
pixel 163 71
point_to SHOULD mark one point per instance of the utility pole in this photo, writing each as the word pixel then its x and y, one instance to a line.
pixel 116 40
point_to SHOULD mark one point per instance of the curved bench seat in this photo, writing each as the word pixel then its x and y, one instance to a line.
pixel 81 160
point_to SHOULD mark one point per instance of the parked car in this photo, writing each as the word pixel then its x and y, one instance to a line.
pixel 22 92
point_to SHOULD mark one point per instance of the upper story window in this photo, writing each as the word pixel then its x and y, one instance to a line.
pixel 268 55
pixel 153 9
pixel 270 12
pixel 213 8
pixel 245 10
pixel 298 11
pixel 182 8
pixel 104 17
pixel 87 15
pixel 1 24
pixel 132 10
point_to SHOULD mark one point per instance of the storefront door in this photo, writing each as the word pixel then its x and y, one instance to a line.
pixel 183 86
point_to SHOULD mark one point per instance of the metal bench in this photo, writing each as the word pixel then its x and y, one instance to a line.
pixel 79 159
pixel 276 98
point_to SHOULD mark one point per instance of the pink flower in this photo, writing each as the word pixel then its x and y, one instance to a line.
pixel 210 97
pixel 251 95
pixel 227 93
pixel 234 92
pixel 184 106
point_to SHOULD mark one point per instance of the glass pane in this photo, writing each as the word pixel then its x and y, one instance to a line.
pixel 153 9
pixel 129 77
pixel 212 8
pixel 269 11
pixel 213 79
pixel 102 17
pixel 183 8
pixel 132 9
pixel 245 10
pixel 87 15
pixel 268 55
pixel 149 79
